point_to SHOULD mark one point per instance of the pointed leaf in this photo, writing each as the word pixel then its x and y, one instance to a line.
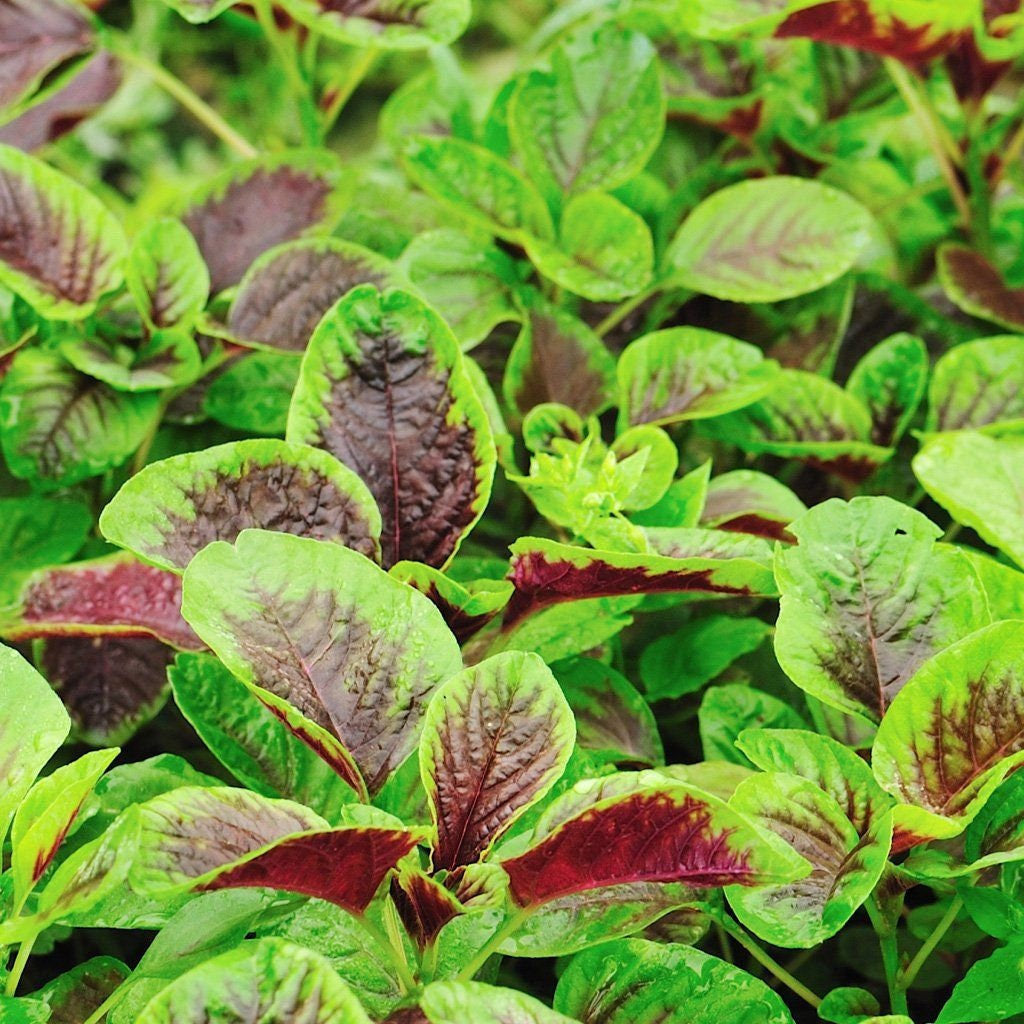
pixel 991 989
pixel 978 288
pixel 324 629
pixel 749 502
pixel 867 598
pixel 389 24
pixel 166 275
pixel 260 982
pixel 890 380
pixel 259 204
pixel 636 980
pixel 686 373
pixel 383 387
pixel 496 737
pixel 978 386
pixel 453 1002
pixel 996 836
pixel 60 248
pixel 286 292
pixel 424 905
pixel 771 239
pixel 172 509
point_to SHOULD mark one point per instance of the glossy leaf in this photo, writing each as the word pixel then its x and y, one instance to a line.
pixel 978 386
pixel 978 288
pixel 389 24
pixel 727 710
pixel 166 275
pixel 766 240
pixel 686 373
pixel 259 204
pixel 286 292
pixel 867 598
pixel 60 248
pixel 991 988
pixel 172 509
pixel 890 380
pixel 326 631
pixel 383 387
pixel 452 1002
pixel 496 737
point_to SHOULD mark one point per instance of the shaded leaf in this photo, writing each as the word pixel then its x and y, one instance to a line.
pixel 978 288
pixel 890 380
pixel 745 501
pixel 389 24
pixel 452 1002
pixel 727 710
pixel 254 393
pixel 76 994
pixel 35 532
pixel 166 275
pixel 978 386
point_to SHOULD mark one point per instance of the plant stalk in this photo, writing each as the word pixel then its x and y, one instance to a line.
pixel 906 979
pixel 491 946
pixel 890 960
pixel 360 67
pixel 20 962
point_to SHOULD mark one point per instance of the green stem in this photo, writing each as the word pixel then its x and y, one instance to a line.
pixel 176 88
pixel 360 67
pixel 890 960
pixel 20 962
pixel 620 312
pixel 770 965
pixel 406 980
pixel 490 947
pixel 106 1006
pixel 906 979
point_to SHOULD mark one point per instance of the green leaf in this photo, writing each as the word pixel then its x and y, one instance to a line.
pixel 166 275
pixel 770 239
pixel 169 358
pixel 726 711
pixel 254 393
pixel 453 1002
pixel 33 725
pixel 604 250
pixel 750 502
pixel 975 479
pixel 251 742
pixel 992 989
pixel 996 835
pixel 978 288
pixel 24 1011
pixel 47 813
pixel 388 24
pixel 595 118
pixel 954 732
pixel 264 981
pixel 890 380
pixel 806 417
pixel 687 373
pixel 557 358
pixel 471 281
pixel 384 388
pixel 60 248
pixel 172 509
pixel 684 661
pixel 848 1005
pixel 978 386
pixel 35 532
pixel 480 186
pixel 326 631
pixel 846 862
pixel 682 504
pixel 60 427
pixel 77 993
pixel 635 980
pixel 496 737
pixel 867 598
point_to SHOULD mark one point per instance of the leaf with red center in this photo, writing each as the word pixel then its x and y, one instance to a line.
pixel 745 501
pixel 286 292
pixel 114 596
pixel 259 204
pixel 867 598
pixel 60 247
pixel 890 380
pixel 388 24
pixel 424 905
pixel 60 112
pixel 661 832
pixel 979 385
pixel 172 509
pixel 954 732
pixel 38 36
pixel 545 572
pixel 111 685
pixel 558 358
pixel 322 628
pixel 912 31
pixel 978 288
pixel 384 388
pixel 496 738
pixel 198 838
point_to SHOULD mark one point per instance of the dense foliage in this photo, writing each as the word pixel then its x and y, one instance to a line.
pixel 512 515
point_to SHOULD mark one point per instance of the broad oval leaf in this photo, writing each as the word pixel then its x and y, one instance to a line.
pixel 60 247
pixel 746 501
pixel 687 373
pixel 384 388
pixel 259 204
pixel 388 24
pixel 265 981
pixel 867 598
pixel 978 288
pixel 172 509
pixel 166 359
pixel 635 980
pixel 454 1002
pixel 767 240
pixel 325 630
pixel 496 737
pixel 253 394
pixel 60 427
pixel 286 292
pixel 979 385
pixel 890 380
pixel 954 732
pixel 166 275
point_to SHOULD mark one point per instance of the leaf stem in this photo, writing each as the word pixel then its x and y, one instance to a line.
pixel 406 980
pixel 906 979
pixel 620 312
pixel 106 1006
pixel 890 960
pixel 20 962
pixel 490 947
pixel 769 964
pixel 176 88
pixel 360 67
pixel 933 133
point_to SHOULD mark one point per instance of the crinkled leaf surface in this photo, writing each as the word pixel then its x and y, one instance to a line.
pixel 496 737
pixel 867 598
pixel 172 509
pixel 978 288
pixel 890 380
pixel 979 385
pixel 325 630
pixel 383 387
pixel 453 1002
pixel 166 275
pixel 766 240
